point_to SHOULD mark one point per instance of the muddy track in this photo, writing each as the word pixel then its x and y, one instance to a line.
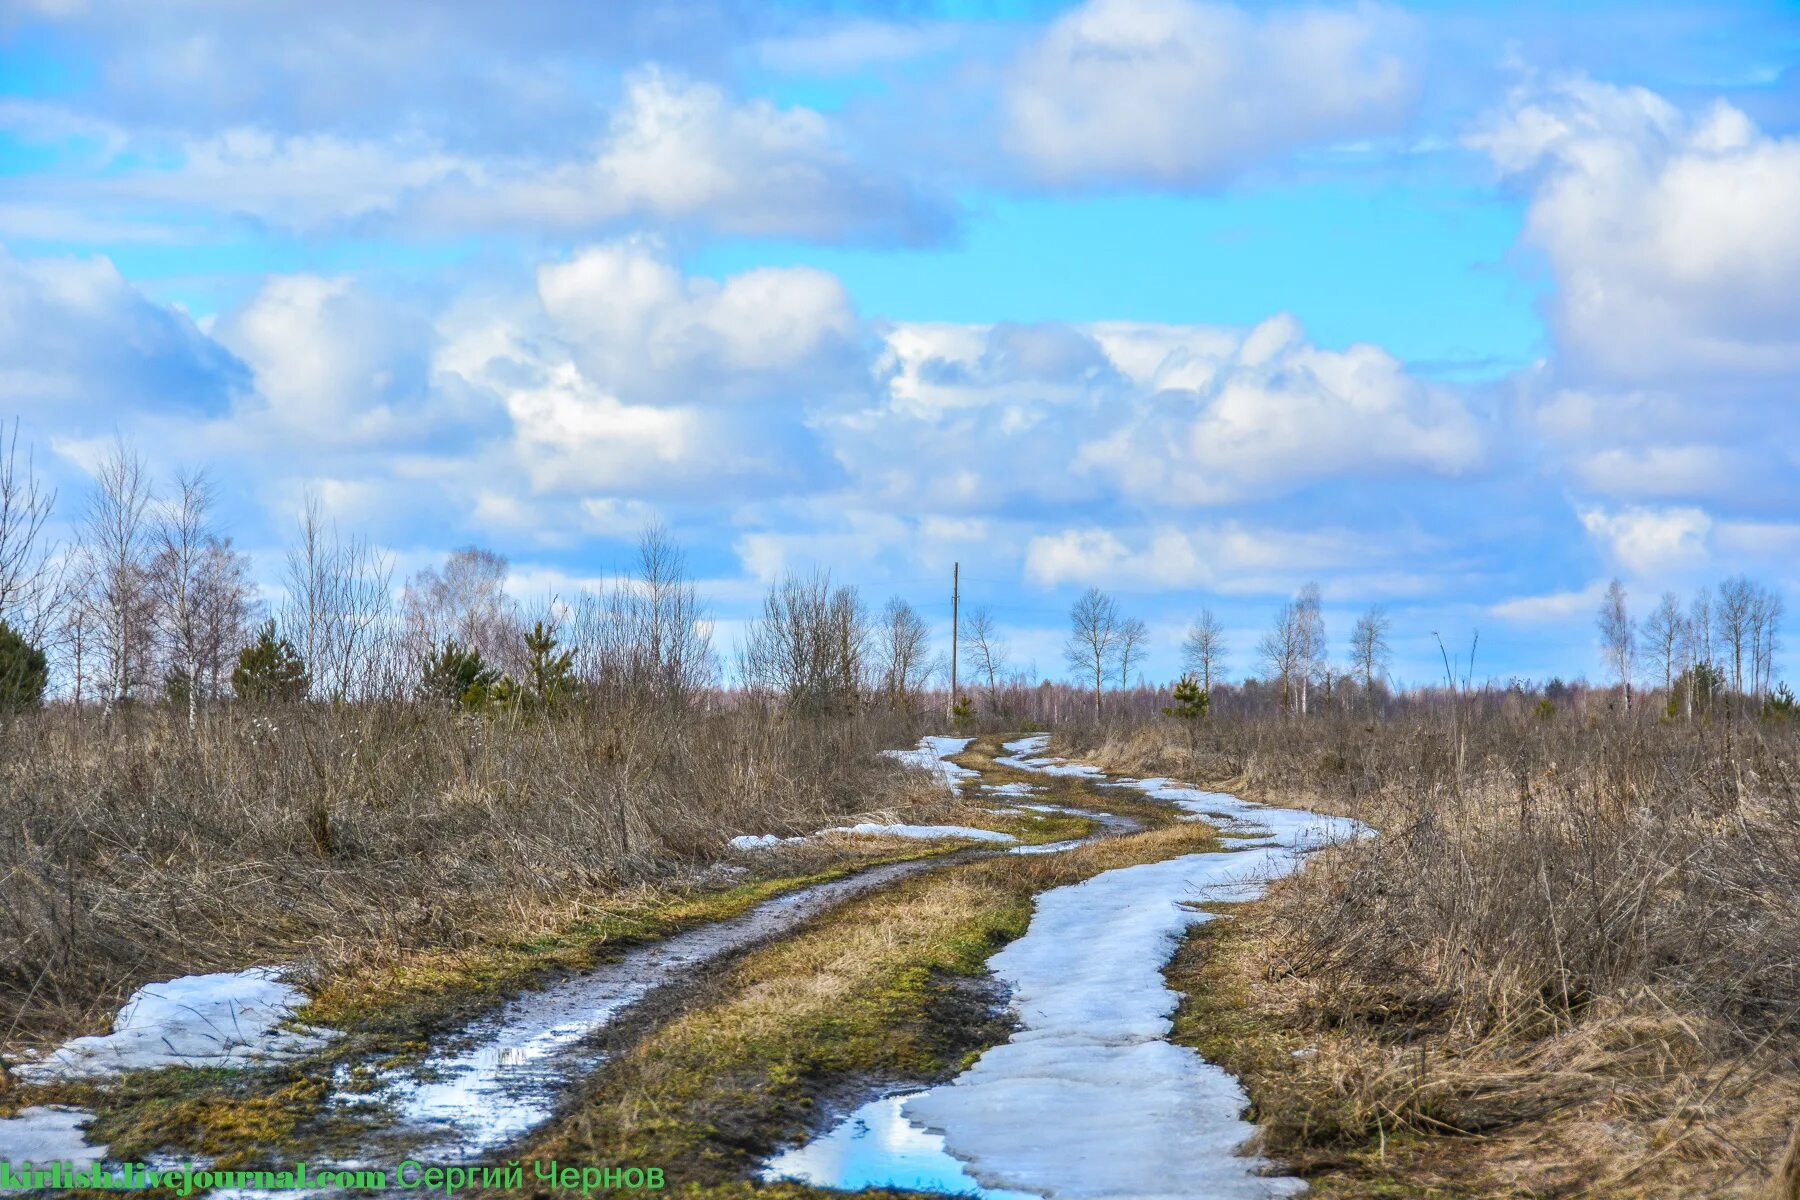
pixel 503 1075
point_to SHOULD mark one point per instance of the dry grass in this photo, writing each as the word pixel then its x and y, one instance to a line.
pixel 1570 966
pixel 357 839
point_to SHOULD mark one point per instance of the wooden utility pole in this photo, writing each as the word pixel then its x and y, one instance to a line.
pixel 955 603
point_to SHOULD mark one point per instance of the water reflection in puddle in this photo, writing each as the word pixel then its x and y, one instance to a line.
pixel 877 1147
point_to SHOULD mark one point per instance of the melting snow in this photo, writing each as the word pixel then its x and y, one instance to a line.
pixel 1088 1099
pixel 925 832
pixel 931 753
pixel 1011 789
pixel 42 1136
pixel 509 1070
pixel 760 841
pixel 230 1019
pixel 1026 756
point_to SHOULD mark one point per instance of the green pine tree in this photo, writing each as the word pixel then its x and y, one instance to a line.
pixel 24 671
pixel 549 675
pixel 270 670
pixel 458 675
pixel 1192 702
pixel 962 713
pixel 1781 704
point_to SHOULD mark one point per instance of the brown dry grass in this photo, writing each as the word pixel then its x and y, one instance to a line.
pixel 357 838
pixel 1569 966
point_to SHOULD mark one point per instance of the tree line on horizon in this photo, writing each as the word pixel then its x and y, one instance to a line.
pixel 152 601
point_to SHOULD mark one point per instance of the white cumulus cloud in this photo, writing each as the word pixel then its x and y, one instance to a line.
pixel 1674 236
pixel 1176 92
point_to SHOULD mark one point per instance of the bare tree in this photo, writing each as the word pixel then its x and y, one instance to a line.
pixel 464 603
pixel 226 611
pixel 677 634
pixel 1203 652
pixel 902 652
pixel 338 607
pixel 1618 637
pixel 986 649
pixel 181 537
pixel 1369 649
pixel 1736 617
pixel 76 633
pixel 1663 633
pixel 30 583
pixel 1700 645
pixel 647 639
pixel 1765 640
pixel 1093 643
pixel 1309 638
pixel 1282 654
pixel 809 645
pixel 116 544
pixel 1133 635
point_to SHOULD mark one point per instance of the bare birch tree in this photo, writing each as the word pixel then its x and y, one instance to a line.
pixel 1370 653
pixel 338 608
pixel 1700 646
pixel 809 645
pixel 1282 654
pixel 1133 637
pixel 182 534
pixel 1309 638
pixel 1663 633
pixel 1736 617
pixel 1618 637
pixel 1093 642
pixel 116 545
pixel 227 610
pixel 465 603
pixel 1203 651
pixel 647 639
pixel 1765 640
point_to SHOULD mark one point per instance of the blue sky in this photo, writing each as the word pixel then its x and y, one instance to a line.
pixel 1460 309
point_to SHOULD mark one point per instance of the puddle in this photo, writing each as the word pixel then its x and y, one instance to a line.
pixel 877 1147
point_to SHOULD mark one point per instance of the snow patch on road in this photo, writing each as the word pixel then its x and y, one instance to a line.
pixel 930 755
pixel 925 832
pixel 1089 1099
pixel 229 1019
pixel 45 1135
pixel 1027 756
